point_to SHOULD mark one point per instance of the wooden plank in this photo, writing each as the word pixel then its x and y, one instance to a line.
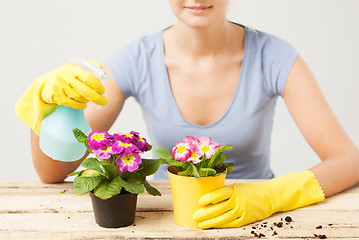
pixel 36 187
pixel 75 203
pixel 161 225
pixel 32 210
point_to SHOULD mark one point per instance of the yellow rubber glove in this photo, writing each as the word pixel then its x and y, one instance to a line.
pixel 68 85
pixel 243 203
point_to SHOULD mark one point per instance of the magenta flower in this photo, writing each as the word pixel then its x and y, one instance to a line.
pixel 124 147
pixel 104 153
pixel 99 140
pixel 120 147
pixel 134 138
pixel 129 161
pixel 123 137
pixel 139 141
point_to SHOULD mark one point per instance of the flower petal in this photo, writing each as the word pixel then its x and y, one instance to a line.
pixel 129 162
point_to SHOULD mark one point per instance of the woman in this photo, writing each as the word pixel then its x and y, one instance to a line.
pixel 206 76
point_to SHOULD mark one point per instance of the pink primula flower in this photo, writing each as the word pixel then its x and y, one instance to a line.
pixel 129 162
pixel 192 149
pixel 99 140
pixel 194 158
pixel 182 151
pixel 206 146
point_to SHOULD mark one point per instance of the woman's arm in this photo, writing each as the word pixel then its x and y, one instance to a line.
pixel 52 171
pixel 339 168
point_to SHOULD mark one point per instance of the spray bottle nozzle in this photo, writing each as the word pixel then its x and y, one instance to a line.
pixel 89 66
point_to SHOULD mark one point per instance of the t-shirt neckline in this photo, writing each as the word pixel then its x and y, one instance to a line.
pixel 169 90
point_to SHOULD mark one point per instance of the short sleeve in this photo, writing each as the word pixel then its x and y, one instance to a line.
pixel 123 66
pixel 278 57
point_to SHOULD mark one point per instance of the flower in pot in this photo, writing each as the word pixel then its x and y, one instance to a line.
pixel 196 167
pixel 115 176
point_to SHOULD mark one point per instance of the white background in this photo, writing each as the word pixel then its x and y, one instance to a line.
pixel 40 35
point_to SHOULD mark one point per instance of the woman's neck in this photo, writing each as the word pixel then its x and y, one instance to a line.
pixel 205 41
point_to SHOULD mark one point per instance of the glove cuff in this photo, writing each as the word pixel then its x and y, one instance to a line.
pixel 31 109
pixel 294 190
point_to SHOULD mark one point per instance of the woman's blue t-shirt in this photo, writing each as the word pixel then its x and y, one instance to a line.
pixel 140 71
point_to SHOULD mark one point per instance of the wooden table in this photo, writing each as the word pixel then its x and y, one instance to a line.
pixel 32 210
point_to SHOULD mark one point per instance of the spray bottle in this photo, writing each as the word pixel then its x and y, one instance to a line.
pixel 56 137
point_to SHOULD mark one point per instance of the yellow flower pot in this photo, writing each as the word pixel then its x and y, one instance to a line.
pixel 185 194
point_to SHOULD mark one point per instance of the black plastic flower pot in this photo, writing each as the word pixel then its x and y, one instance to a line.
pixel 115 212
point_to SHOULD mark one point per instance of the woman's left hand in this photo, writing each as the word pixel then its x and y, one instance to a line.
pixel 242 203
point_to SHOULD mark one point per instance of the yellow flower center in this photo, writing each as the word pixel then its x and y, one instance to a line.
pixel 128 159
pixel 97 136
pixel 125 144
pixel 181 149
pixel 194 155
pixel 107 149
pixel 205 149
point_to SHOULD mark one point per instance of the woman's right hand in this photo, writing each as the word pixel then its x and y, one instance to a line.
pixel 71 86
pixel 51 171
pixel 68 85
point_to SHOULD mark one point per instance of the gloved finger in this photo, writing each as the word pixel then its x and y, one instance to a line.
pixel 219 220
pixel 71 93
pixel 68 102
pixel 96 63
pixel 238 222
pixel 84 76
pixel 85 90
pixel 213 210
pixel 216 196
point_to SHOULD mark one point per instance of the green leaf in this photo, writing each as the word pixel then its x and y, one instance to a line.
pixel 80 136
pixel 223 167
pixel 187 172
pixel 167 158
pixel 195 172
pixel 75 173
pixel 229 167
pixel 163 161
pixel 215 155
pixel 109 169
pixel 219 159
pixel 133 176
pixel 179 165
pixel 148 167
pixel 205 172
pixel 164 153
pixel 89 173
pixel 151 190
pixel 191 171
pixel 132 186
pixel 101 190
pixel 107 188
pixel 84 185
pixel 93 164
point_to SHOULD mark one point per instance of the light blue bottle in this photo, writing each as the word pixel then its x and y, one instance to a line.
pixel 56 137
